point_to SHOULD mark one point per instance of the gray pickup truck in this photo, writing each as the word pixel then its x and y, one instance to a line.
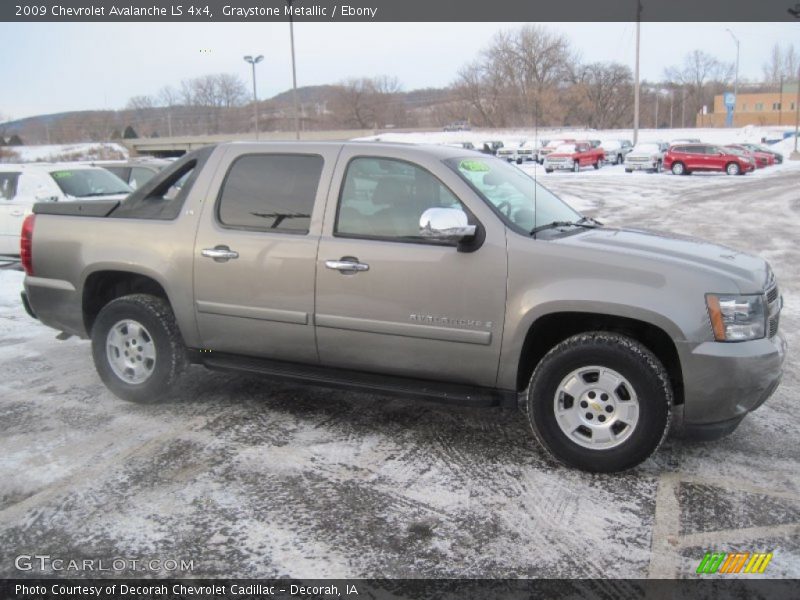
pixel 427 271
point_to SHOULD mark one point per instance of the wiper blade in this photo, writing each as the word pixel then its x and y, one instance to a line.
pixel 584 222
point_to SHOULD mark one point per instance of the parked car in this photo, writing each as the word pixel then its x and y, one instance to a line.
pixel 550 146
pixel 134 172
pixel 616 150
pixel 508 153
pixel 647 156
pixel 491 147
pixel 528 152
pixel 22 185
pixel 417 270
pixel 761 159
pixel 776 156
pixel 457 126
pixel 685 141
pixel 571 157
pixel 463 145
pixel 684 159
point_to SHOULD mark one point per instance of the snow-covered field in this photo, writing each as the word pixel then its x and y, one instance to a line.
pixel 67 152
pixel 252 478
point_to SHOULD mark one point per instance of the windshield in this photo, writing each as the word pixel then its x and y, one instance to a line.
pixel 646 148
pixel 554 143
pixel 519 200
pixel 565 149
pixel 611 145
pixel 85 183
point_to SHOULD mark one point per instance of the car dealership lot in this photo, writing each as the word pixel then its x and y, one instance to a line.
pixel 247 477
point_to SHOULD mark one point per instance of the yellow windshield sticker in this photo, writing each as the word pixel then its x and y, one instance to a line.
pixel 473 165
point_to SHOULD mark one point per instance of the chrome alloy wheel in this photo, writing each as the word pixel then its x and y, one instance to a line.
pixel 131 351
pixel 596 407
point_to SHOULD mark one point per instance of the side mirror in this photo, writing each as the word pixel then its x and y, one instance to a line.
pixel 446 224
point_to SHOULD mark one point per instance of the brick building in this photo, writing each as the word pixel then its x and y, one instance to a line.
pixel 767 108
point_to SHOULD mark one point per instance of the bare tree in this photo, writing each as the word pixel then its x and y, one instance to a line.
pixel 606 93
pixel 701 76
pixel 368 102
pixel 508 83
pixel 781 66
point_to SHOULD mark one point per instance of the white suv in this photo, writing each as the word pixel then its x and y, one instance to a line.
pixel 21 186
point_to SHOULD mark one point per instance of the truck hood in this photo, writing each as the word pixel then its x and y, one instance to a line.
pixel 748 272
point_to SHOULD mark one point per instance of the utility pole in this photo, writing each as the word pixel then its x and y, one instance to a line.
pixel 636 75
pixel 294 74
pixel 683 107
pixel 253 62
pixel 671 102
pixel 655 118
pixel 796 155
pixel 736 79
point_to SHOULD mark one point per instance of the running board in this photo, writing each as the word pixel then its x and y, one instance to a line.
pixel 449 393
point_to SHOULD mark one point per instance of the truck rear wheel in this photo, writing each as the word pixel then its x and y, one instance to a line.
pixel 599 402
pixel 137 348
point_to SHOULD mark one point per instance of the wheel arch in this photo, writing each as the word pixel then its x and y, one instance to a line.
pixel 552 328
pixel 104 285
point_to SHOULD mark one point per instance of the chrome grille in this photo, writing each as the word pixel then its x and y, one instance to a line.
pixel 772 295
pixel 774 305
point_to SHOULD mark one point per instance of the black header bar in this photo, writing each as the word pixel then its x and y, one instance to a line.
pixel 203 11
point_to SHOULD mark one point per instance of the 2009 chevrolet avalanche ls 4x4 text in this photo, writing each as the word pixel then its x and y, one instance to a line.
pixel 431 271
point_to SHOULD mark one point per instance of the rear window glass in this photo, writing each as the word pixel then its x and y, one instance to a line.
pixel 8 185
pixel 270 192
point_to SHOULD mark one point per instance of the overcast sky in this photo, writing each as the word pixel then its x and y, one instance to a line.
pixel 54 67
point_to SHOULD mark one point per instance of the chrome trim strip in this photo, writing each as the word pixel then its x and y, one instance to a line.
pixel 445 334
pixel 252 312
pixel 53 284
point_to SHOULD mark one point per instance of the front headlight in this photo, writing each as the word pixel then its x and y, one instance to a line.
pixel 736 318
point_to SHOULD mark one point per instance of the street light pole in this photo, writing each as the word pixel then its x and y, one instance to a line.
pixel 253 62
pixel 294 73
pixel 736 78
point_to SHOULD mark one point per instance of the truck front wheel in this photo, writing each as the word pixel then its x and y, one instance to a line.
pixel 599 402
pixel 137 348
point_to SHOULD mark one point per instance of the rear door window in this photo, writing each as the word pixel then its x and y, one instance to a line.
pixel 270 192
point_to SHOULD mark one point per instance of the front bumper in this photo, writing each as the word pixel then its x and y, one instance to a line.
pixel 725 381
pixel 641 166
pixel 559 166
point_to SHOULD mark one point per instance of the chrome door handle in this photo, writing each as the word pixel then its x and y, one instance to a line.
pixel 220 253
pixel 346 266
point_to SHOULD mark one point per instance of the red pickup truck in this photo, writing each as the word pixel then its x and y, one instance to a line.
pixel 573 156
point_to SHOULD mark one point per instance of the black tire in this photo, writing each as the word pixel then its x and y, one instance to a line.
pixel 548 170
pixel 647 377
pixel 619 159
pixel 733 169
pixel 162 332
pixel 629 170
pixel 596 165
pixel 576 167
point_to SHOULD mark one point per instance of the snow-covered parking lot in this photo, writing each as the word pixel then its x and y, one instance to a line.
pixel 251 478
